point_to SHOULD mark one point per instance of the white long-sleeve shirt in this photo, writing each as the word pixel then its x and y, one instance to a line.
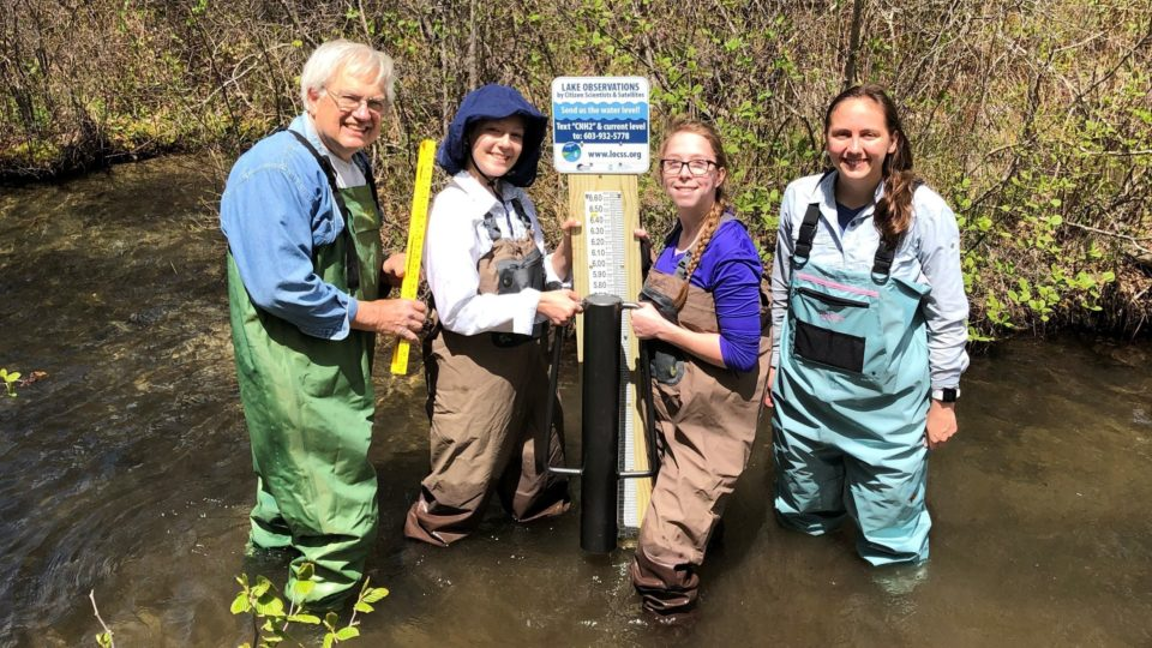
pixel 455 241
pixel 929 254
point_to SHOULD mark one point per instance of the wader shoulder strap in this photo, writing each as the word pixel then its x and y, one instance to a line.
pixel 882 264
pixel 351 259
pixel 365 164
pixel 522 214
pixel 490 219
pixel 809 225
pixel 807 232
pixel 682 265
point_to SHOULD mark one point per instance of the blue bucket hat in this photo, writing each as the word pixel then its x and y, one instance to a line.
pixel 494 102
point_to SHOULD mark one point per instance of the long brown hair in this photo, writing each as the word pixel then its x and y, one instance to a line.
pixel 893 215
pixel 712 220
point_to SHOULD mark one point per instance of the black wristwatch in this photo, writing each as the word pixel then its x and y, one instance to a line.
pixel 948 395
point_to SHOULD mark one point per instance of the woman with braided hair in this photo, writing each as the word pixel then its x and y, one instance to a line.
pixel 705 318
pixel 868 297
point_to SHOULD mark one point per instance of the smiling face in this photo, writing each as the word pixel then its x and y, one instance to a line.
pixel 344 132
pixel 691 193
pixel 496 146
pixel 858 141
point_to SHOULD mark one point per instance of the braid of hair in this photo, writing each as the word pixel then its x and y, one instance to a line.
pixel 707 229
pixel 893 214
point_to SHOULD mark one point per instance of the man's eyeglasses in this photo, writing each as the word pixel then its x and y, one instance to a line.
pixel 351 103
pixel 695 167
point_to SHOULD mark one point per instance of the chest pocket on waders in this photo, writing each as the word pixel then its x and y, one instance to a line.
pixel 514 275
pixel 836 315
pixel 511 267
pixel 666 361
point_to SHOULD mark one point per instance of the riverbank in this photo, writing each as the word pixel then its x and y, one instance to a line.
pixel 1113 298
pixel 1032 120
pixel 127 471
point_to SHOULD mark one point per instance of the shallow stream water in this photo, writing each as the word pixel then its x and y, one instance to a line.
pixel 126 471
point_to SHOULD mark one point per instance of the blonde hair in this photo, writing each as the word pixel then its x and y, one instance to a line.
pixel 712 220
pixel 353 59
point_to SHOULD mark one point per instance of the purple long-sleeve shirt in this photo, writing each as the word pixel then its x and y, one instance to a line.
pixel 730 269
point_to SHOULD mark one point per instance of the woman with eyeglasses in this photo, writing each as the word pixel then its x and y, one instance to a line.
pixel 868 296
pixel 495 290
pixel 703 316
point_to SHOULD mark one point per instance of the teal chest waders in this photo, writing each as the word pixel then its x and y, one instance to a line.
pixel 851 401
pixel 309 404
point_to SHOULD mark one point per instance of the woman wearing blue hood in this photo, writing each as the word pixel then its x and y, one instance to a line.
pixel 485 363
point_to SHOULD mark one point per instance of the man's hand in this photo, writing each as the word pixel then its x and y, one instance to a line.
pixel 941 423
pixel 559 306
pixel 393 269
pixel 403 317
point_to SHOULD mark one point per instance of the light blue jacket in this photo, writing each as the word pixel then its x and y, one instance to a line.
pixel 928 254
pixel 276 208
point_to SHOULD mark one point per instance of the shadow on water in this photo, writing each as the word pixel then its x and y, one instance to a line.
pixel 127 471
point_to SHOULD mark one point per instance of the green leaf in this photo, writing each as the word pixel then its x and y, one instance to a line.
pixel 351 632
pixel 363 607
pixel 305 572
pixel 240 604
pixel 270 605
pixel 13 377
pixel 1108 277
pixel 262 586
pixel 328 639
pixel 310 619
pixel 375 594
pixel 331 619
pixel 302 588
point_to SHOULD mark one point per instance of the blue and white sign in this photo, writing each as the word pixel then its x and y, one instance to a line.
pixel 600 125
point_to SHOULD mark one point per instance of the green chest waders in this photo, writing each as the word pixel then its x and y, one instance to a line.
pixel 309 406
pixel 851 401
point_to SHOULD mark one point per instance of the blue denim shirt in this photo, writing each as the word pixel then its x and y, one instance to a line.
pixel 276 208
pixel 929 253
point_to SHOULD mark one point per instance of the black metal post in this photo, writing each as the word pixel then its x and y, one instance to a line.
pixel 600 434
pixel 542 441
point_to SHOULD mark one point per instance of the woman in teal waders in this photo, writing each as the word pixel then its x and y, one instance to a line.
pixel 868 295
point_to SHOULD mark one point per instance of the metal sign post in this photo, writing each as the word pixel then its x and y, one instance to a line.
pixel 600 141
